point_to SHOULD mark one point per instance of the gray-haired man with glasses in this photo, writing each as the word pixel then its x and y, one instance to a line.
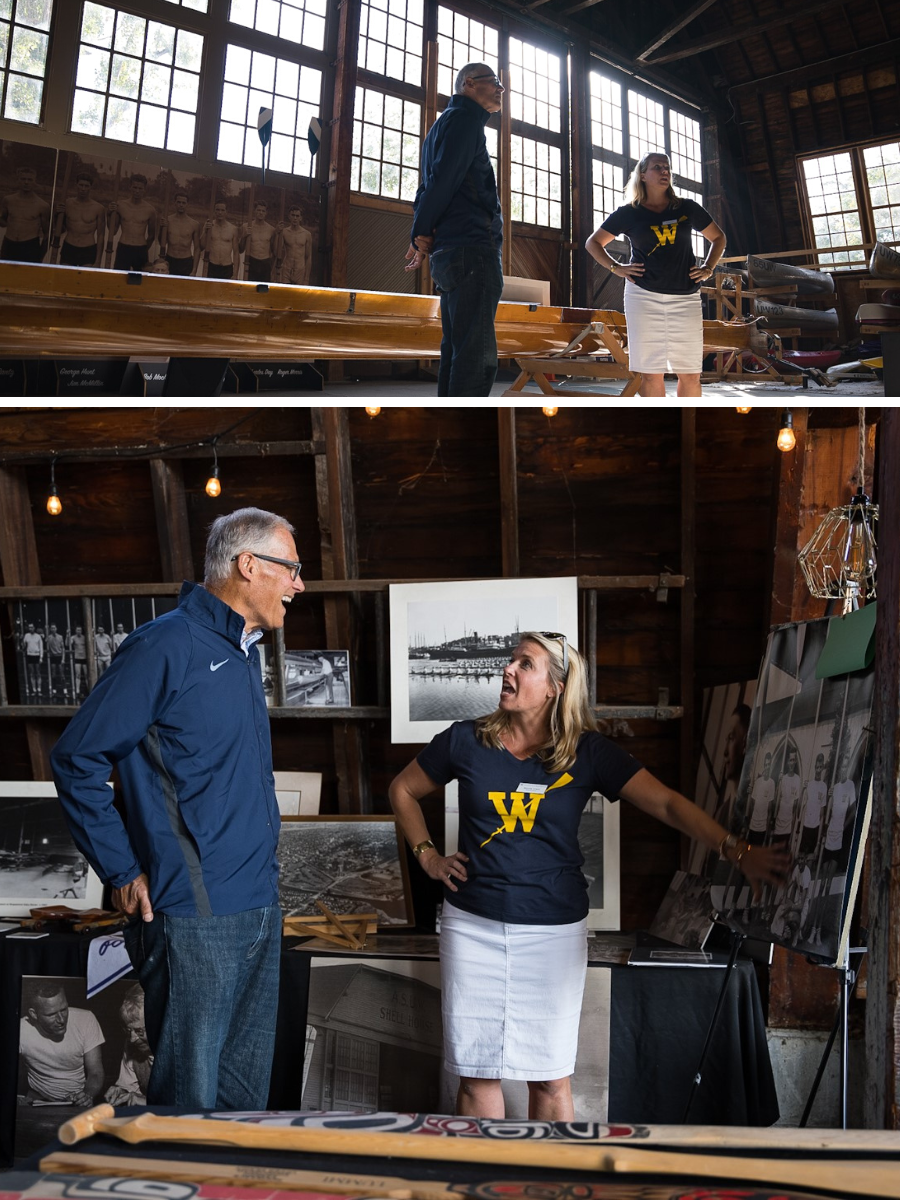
pixel 457 221
pixel 181 711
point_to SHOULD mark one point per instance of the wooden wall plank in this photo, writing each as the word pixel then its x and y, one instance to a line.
pixel 509 492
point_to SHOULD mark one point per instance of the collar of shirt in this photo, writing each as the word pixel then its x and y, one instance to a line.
pixel 248 639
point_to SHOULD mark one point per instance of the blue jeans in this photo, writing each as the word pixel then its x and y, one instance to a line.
pixel 210 1004
pixel 469 280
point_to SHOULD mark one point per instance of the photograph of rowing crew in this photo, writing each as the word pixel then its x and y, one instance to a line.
pixel 81 210
pixel 63 646
pixel 803 786
pixel 311 677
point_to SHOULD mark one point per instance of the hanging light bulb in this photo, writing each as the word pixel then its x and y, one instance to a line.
pixel 745 409
pixel 54 504
pixel 550 410
pixel 787 439
pixel 839 561
pixel 373 409
pixel 213 486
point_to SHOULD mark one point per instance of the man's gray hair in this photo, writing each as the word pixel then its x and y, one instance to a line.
pixel 244 529
pixel 469 69
pixel 132 1003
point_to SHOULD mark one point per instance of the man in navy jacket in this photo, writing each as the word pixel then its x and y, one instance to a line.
pixel 458 221
pixel 182 713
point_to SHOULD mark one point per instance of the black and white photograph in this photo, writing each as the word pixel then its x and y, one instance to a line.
pixel 298 792
pixel 63 645
pixel 75 1053
pixel 450 642
pixel 351 864
pixel 39 862
pixel 311 677
pixel 724 725
pixel 805 772
pixel 114 617
pixel 598 839
pixel 685 915
pixel 377 1040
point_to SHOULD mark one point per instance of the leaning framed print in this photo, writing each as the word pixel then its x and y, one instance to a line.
pixel 352 864
pixel 39 862
pixel 450 641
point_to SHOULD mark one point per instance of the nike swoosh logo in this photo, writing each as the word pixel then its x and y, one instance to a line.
pixel 215 666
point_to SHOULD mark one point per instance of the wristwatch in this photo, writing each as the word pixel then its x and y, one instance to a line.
pixel 422 847
pixel 729 842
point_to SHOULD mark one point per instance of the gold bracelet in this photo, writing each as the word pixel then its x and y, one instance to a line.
pixel 741 854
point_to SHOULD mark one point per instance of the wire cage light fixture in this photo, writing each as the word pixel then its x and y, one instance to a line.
pixel 839 562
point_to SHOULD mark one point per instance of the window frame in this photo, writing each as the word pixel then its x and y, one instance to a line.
pixel 856 151
pixel 45 78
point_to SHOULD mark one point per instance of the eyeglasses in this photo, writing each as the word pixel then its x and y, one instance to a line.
pixel 293 567
pixel 560 637
pixel 493 78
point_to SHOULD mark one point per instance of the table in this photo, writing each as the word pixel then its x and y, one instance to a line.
pixel 658 1022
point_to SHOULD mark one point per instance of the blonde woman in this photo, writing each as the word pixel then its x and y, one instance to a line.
pixel 662 278
pixel 513 927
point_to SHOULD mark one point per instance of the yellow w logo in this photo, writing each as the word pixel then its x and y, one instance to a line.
pixel 518 810
pixel 665 235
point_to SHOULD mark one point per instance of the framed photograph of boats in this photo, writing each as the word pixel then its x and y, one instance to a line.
pixel 352 864
pixel 39 862
pixel 449 642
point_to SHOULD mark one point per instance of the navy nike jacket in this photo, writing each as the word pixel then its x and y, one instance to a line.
pixel 182 713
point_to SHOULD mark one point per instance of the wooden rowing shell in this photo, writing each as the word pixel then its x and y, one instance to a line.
pixel 70 312
pixel 809 320
pixel 886 315
pixel 809 283
pixel 884 261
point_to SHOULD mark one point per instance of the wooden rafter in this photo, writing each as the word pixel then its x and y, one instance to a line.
pixel 567 12
pixel 676 27
pixel 744 29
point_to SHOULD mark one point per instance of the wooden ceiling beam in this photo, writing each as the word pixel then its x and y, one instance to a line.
pixel 567 12
pixel 737 32
pixel 145 452
pixel 676 27
pixel 799 76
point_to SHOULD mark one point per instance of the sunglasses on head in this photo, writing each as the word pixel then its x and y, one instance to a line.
pixel 560 637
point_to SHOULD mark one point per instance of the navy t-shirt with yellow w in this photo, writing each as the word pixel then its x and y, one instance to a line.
pixel 662 242
pixel 518 824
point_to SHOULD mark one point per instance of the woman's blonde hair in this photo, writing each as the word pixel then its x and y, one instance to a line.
pixel 636 189
pixel 570 715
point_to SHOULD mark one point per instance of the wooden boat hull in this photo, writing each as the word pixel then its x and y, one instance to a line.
pixel 884 262
pixel 765 271
pixel 70 312
pixel 809 320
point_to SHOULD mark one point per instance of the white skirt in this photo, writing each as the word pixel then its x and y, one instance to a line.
pixel 665 333
pixel 510 996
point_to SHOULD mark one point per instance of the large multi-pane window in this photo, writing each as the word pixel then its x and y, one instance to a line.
pixel 646 125
pixel 684 133
pixel 463 40
pixel 24 39
pixel 391 38
pixel 254 80
pixel 137 80
pixel 606 113
pixel 834 207
pixel 197 5
pixel 535 182
pixel 883 181
pixel 534 77
pixel 852 198
pixel 386 145
pixel 608 185
pixel 299 21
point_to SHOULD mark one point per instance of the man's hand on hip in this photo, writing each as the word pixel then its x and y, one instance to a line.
pixel 134 898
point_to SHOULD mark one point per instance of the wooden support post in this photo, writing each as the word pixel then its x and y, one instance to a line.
pixel 338 210
pixel 509 492
pixel 337 523
pixel 20 566
pixel 882 1085
pixel 688 565
pixel 167 478
pixel 582 170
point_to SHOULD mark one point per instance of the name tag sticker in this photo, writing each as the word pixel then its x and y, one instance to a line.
pixel 536 789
